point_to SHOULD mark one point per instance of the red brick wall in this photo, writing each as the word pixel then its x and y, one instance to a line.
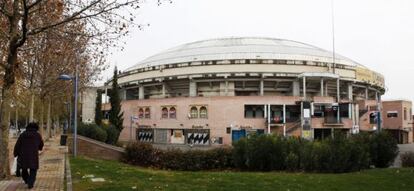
pixel 95 149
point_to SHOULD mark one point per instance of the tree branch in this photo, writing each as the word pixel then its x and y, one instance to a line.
pixel 78 16
pixel 34 4
pixel 25 16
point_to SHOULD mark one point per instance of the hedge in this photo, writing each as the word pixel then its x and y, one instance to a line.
pixel 275 153
pixel 105 133
pixel 145 155
pixel 407 159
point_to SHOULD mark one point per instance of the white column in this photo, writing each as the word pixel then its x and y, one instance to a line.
pixel 296 88
pixel 338 95
pixel 268 118
pixel 193 89
pixel 350 92
pixel 304 87
pixel 366 93
pixel 106 95
pixel 124 94
pixel 226 90
pixel 338 91
pixel 163 90
pixel 261 87
pixel 141 92
pixel 284 120
pixel 350 98
pixel 322 87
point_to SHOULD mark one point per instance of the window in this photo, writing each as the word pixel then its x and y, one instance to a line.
pixel 140 113
pixel 259 112
pixel 405 113
pixel 194 112
pixel 203 112
pixel 373 118
pixel 164 113
pixel 173 113
pixel 318 111
pixel 392 114
pixel 147 113
pixel 253 111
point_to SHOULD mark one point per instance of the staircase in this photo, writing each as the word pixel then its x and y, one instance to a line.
pixel 292 127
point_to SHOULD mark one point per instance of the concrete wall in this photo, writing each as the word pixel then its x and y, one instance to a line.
pixel 95 149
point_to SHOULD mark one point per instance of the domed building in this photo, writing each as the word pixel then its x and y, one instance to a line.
pixel 214 92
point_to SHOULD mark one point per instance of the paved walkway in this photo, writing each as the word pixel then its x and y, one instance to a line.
pixel 50 176
pixel 403 148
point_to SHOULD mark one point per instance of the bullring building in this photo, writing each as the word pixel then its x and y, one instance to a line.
pixel 214 92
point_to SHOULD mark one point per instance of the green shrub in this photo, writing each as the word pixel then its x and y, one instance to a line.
pixel 407 159
pixel 269 152
pixel 383 149
pixel 292 162
pixel 92 131
pixel 145 155
pixel 240 154
pixel 112 133
pixel 141 154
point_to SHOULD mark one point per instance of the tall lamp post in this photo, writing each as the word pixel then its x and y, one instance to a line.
pixel 75 108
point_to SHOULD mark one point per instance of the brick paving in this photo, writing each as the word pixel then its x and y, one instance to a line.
pixel 50 175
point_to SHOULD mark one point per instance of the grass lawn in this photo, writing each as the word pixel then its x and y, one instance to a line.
pixel 120 176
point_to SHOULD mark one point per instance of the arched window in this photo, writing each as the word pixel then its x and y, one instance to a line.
pixel 164 113
pixel 147 113
pixel 259 112
pixel 203 112
pixel 194 112
pixel 140 113
pixel 173 114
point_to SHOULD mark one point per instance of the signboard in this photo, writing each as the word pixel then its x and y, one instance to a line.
pixel 369 76
pixel 307 134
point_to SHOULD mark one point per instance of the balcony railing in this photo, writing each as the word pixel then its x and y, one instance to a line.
pixel 333 120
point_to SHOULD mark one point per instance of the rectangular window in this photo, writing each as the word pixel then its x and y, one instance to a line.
pixel 405 113
pixel 254 111
pixel 392 114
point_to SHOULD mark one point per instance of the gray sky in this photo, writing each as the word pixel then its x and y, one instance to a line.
pixel 376 33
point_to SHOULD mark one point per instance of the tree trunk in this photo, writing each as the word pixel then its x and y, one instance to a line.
pixel 41 125
pixel 4 134
pixel 32 100
pixel 48 119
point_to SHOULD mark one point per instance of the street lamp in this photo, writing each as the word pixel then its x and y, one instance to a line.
pixel 75 108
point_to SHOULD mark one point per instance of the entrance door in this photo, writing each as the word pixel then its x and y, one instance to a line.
pixel 238 134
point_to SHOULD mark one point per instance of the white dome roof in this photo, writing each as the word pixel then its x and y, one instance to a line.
pixel 235 48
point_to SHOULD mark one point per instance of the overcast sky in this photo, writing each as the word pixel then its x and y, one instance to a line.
pixel 376 33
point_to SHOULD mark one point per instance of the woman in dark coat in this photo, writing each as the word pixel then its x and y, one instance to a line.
pixel 27 150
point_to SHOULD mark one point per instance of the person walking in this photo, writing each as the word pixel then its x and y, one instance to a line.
pixel 27 150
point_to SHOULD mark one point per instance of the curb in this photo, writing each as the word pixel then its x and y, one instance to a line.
pixel 68 174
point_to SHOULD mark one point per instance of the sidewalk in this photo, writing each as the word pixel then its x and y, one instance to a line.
pixel 51 174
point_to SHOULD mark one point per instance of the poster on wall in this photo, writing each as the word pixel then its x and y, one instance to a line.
pixel 307 134
pixel 145 135
pixel 198 136
pixel 177 136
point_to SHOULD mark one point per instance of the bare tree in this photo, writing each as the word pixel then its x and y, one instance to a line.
pixel 105 22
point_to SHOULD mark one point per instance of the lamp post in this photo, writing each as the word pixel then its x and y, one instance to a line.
pixel 75 108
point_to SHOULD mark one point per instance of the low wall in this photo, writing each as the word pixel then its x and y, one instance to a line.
pixel 95 149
